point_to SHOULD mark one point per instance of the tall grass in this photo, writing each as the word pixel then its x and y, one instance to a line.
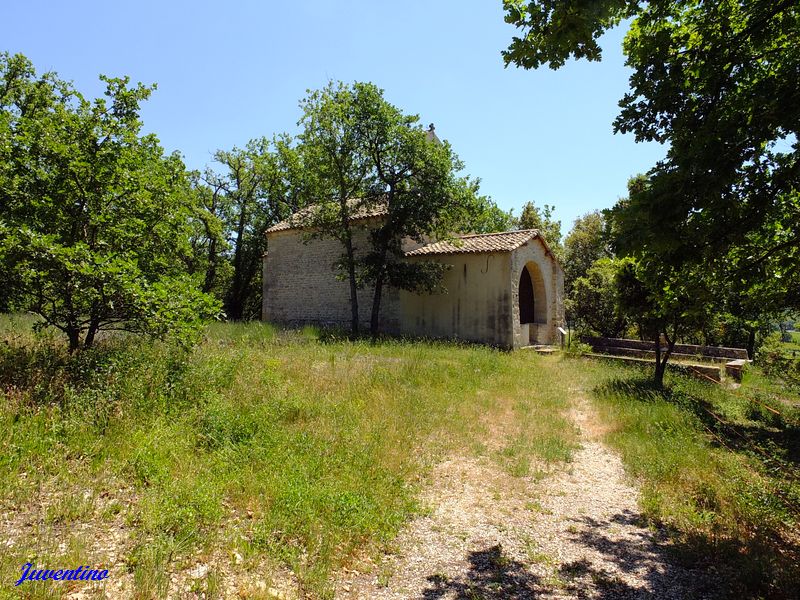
pixel 294 447
pixel 718 469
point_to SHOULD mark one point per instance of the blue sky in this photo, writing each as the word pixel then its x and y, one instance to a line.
pixel 229 72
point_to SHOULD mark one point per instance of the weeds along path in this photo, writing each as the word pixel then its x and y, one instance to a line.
pixel 487 534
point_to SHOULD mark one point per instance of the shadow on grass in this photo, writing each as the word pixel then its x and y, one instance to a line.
pixel 47 374
pixel 637 388
pixel 768 438
pixel 758 552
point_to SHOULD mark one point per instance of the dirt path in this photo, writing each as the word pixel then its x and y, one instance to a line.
pixel 575 534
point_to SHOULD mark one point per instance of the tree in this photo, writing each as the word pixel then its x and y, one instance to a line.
pixel 595 300
pixel 414 177
pixel 94 221
pixel 717 83
pixel 667 297
pixel 585 244
pixel 255 189
pixel 334 154
pixel 366 156
pixel 209 236
pixel 483 215
pixel 532 217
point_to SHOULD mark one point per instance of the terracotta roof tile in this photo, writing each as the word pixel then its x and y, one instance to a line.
pixel 296 220
pixel 505 241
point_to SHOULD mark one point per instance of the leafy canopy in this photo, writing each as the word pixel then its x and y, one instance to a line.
pixel 717 83
pixel 533 217
pixel 594 299
pixel 366 156
pixel 585 243
pixel 94 219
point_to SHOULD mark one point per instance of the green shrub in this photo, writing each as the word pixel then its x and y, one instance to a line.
pixel 578 348
pixel 775 360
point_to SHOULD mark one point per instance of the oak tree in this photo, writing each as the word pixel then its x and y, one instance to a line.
pixel 94 218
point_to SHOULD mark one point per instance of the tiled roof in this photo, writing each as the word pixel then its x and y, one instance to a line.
pixel 478 243
pixel 296 221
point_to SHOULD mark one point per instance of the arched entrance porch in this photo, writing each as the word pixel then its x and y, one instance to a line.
pixel 532 303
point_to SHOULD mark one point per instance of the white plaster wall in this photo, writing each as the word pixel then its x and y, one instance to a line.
pixel 476 306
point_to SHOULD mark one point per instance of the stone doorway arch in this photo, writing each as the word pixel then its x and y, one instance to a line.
pixel 532 299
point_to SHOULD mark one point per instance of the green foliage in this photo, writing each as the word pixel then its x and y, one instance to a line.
pixel 778 362
pixel 256 187
pixel 585 243
pixel 368 156
pixel 532 217
pixel 720 481
pixel 334 153
pixel 555 30
pixel 415 179
pixel 666 299
pixel 484 216
pixel 209 238
pixel 717 84
pixel 95 219
pixel 577 348
pixel 595 299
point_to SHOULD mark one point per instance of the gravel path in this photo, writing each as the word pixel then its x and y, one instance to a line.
pixel 574 534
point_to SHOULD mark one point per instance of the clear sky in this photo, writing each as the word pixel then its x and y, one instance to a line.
pixel 231 71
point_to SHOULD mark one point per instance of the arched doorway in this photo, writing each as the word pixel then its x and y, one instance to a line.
pixel 526 298
pixel 532 304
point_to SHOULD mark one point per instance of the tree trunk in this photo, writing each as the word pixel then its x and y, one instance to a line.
pixel 74 335
pixel 661 359
pixel 347 239
pixel 751 342
pixel 658 378
pixel 211 271
pixel 91 333
pixel 235 302
pixel 376 299
pixel 376 305
pixel 351 271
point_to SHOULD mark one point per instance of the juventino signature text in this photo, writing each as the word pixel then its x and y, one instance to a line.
pixel 83 573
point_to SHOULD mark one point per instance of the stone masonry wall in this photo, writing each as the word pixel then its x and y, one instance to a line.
pixel 553 290
pixel 300 284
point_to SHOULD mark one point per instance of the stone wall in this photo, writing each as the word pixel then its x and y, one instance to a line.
pixel 300 284
pixel 552 288
pixel 481 301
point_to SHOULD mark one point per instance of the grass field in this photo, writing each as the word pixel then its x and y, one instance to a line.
pixel 794 345
pixel 264 445
pixel 293 451
pixel 719 469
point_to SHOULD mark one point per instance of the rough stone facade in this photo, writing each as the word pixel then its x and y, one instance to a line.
pixel 548 290
pixel 481 302
pixel 300 285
